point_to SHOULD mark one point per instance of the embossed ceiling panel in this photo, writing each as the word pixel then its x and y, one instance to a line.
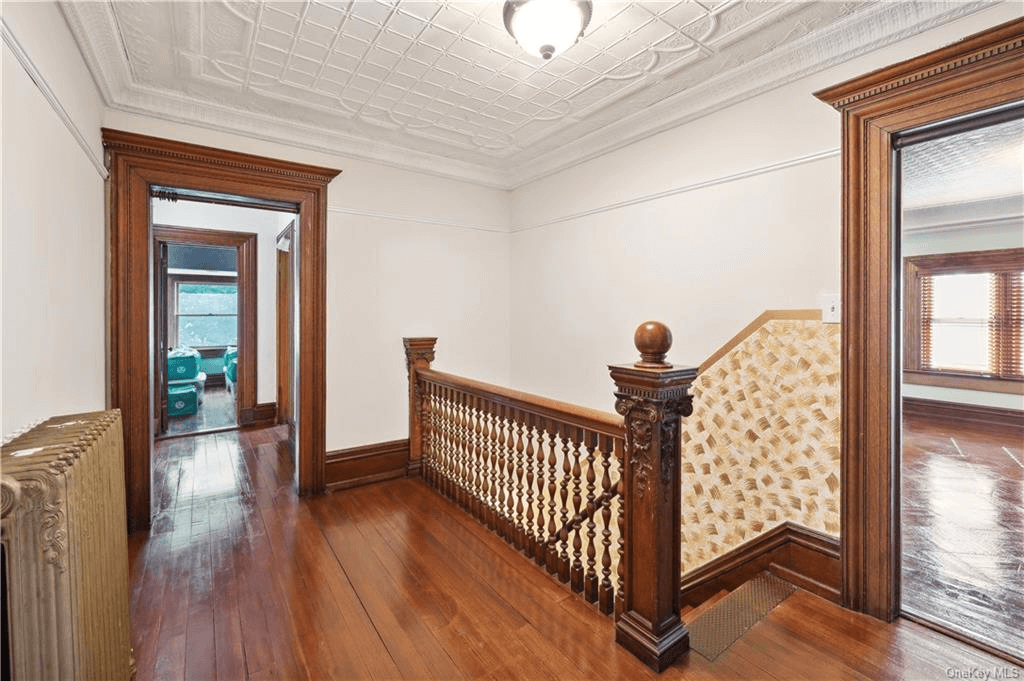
pixel 971 166
pixel 442 86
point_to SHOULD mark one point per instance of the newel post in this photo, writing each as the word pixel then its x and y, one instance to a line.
pixel 419 353
pixel 652 395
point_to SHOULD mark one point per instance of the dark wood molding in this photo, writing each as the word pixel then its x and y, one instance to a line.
pixel 967 77
pixel 945 379
pixel 652 396
pixel 979 416
pixel 801 556
pixel 286 358
pixel 247 246
pixel 136 163
pixel 262 414
pixel 752 327
pixel 363 465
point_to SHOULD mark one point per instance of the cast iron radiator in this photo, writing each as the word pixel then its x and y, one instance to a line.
pixel 65 550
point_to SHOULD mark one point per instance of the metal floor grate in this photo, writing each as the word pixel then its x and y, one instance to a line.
pixel 712 633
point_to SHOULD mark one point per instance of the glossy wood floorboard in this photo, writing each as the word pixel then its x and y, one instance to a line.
pixel 963 530
pixel 216 411
pixel 239 579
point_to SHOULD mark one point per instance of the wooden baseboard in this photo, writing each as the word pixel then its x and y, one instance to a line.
pixel 264 414
pixel 803 557
pixel 356 466
pixel 989 418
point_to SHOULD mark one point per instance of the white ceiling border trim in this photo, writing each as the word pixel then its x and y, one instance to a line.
pixel 119 92
pixel 884 24
pixel 36 76
pixel 675 191
pixel 815 52
pixel 417 220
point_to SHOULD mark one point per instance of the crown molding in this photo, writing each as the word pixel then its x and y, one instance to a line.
pixel 884 23
pixel 862 30
pixel 36 76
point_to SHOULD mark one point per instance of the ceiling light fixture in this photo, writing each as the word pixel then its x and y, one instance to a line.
pixel 547 27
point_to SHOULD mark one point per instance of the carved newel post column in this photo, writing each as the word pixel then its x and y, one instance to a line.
pixel 419 353
pixel 652 395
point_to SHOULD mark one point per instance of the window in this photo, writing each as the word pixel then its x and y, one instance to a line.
pixel 964 315
pixel 205 314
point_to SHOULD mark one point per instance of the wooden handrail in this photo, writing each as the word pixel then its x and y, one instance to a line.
pixel 766 316
pixel 596 420
pixel 538 470
pixel 592 508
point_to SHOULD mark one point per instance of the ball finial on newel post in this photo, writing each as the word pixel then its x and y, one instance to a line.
pixel 653 340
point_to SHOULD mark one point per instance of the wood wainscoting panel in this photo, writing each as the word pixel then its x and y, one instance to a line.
pixel 376 462
pixel 803 557
pixel 979 416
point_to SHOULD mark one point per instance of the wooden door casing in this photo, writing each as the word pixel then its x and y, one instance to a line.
pixel 136 163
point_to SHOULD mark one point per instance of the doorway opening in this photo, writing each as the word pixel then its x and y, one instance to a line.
pixel 961 242
pixel 140 164
pixel 215 313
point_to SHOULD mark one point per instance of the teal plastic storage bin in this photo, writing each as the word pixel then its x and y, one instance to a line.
pixel 182 400
pixel 199 382
pixel 183 363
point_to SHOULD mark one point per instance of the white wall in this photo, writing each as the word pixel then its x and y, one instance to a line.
pixel 266 224
pixel 407 254
pixel 703 227
pixel 53 322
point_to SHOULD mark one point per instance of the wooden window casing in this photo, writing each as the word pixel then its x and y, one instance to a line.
pixel 1004 320
pixel 173 282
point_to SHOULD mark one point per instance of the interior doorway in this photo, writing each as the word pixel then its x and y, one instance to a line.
pixel 205 307
pixel 137 165
pixel 961 241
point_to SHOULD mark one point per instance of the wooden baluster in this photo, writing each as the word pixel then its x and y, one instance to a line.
pixel 529 520
pixel 456 446
pixel 590 569
pixel 485 463
pixel 563 506
pixel 499 507
pixel 651 395
pixel 449 464
pixel 510 501
pixel 427 397
pixel 467 452
pixel 575 570
pixel 497 447
pixel 419 353
pixel 436 429
pixel 476 485
pixel 463 460
pixel 446 425
pixel 540 550
pixel 620 569
pixel 605 591
pixel 520 526
pixel 550 557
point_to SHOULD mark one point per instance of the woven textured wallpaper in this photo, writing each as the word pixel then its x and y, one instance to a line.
pixel 762 444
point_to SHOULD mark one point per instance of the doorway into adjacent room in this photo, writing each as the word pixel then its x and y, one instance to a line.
pixel 961 241
pixel 199 298
pixel 219 294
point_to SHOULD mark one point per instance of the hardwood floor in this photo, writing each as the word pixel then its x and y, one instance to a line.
pixel 239 579
pixel 216 411
pixel 963 530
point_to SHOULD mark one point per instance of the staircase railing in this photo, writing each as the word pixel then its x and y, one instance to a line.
pixel 584 493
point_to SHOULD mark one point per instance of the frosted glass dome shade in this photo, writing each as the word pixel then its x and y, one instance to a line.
pixel 545 28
